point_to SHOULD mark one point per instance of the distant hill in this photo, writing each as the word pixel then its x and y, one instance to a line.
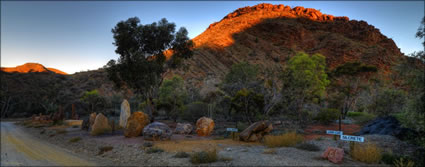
pixel 31 67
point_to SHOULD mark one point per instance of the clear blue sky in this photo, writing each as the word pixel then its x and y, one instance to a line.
pixel 76 36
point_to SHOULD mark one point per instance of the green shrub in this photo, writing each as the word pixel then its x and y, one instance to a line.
pixel 105 149
pixel 204 157
pixel 327 116
pixel 361 117
pixel 154 150
pixel 181 154
pixel 404 163
pixel 194 111
pixel 307 146
pixel 147 144
pixel 241 126
pixel 75 139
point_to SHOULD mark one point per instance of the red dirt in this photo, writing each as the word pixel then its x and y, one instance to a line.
pixel 317 130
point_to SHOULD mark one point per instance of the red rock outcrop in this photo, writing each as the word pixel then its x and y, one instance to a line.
pixel 268 35
pixel 31 67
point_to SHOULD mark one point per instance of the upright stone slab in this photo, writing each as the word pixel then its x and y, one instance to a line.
pixel 92 119
pixel 125 113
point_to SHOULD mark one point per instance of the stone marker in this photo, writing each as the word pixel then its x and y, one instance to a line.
pixel 100 126
pixel 183 128
pixel 335 155
pixel 135 124
pixel 204 126
pixel 256 131
pixel 157 131
pixel 125 113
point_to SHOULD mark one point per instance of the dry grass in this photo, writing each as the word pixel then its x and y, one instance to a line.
pixel 283 140
pixel 269 151
pixel 197 145
pixel 105 149
pixel 404 163
pixel 74 139
pixel 368 153
pixel 204 157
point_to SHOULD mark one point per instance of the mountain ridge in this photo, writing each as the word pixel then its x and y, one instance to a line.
pixel 32 67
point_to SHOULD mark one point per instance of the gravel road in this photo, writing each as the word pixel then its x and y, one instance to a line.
pixel 21 149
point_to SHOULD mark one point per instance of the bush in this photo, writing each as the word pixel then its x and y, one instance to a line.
pixel 368 153
pixel 75 139
pixel 283 140
pixel 154 150
pixel 194 111
pixel 327 116
pixel 361 117
pixel 308 146
pixel 388 158
pixel 204 157
pixel 241 126
pixel 181 155
pixel 147 144
pixel 104 149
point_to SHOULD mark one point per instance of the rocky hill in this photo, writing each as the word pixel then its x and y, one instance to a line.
pixel 269 35
pixel 31 67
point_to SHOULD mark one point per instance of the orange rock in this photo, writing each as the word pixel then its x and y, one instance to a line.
pixel 204 126
pixel 135 124
pixel 92 119
pixel 335 155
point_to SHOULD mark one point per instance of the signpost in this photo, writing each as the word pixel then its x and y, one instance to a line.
pixel 333 132
pixel 352 138
pixel 233 130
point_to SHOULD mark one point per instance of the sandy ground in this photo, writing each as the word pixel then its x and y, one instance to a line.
pixel 21 149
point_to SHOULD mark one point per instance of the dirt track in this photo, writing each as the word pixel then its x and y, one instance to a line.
pixel 21 149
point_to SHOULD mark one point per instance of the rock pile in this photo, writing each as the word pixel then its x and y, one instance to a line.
pixel 387 126
pixel 256 131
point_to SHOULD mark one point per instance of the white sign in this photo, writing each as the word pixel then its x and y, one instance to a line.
pixel 333 132
pixel 352 138
pixel 232 129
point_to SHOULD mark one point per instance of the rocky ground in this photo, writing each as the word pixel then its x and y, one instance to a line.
pixel 131 151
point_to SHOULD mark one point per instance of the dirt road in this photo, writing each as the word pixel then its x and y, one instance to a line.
pixel 20 149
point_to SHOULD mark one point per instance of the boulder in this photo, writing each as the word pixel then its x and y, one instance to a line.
pixel 204 126
pixel 100 126
pixel 91 119
pixel 125 113
pixel 135 124
pixel 183 128
pixel 388 125
pixel 256 131
pixel 157 131
pixel 335 155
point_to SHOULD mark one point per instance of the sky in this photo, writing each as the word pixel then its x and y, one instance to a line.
pixel 76 36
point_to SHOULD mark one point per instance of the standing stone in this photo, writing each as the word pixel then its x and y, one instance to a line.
pixel 157 131
pixel 92 119
pixel 135 124
pixel 183 128
pixel 204 126
pixel 256 131
pixel 125 113
pixel 100 126
pixel 335 155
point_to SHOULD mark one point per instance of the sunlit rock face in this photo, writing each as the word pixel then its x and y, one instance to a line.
pixel 268 35
pixel 31 67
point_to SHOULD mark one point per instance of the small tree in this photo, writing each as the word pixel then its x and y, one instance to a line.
pixel 248 103
pixel 143 64
pixel 173 94
pixel 242 75
pixel 304 79
pixel 94 100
